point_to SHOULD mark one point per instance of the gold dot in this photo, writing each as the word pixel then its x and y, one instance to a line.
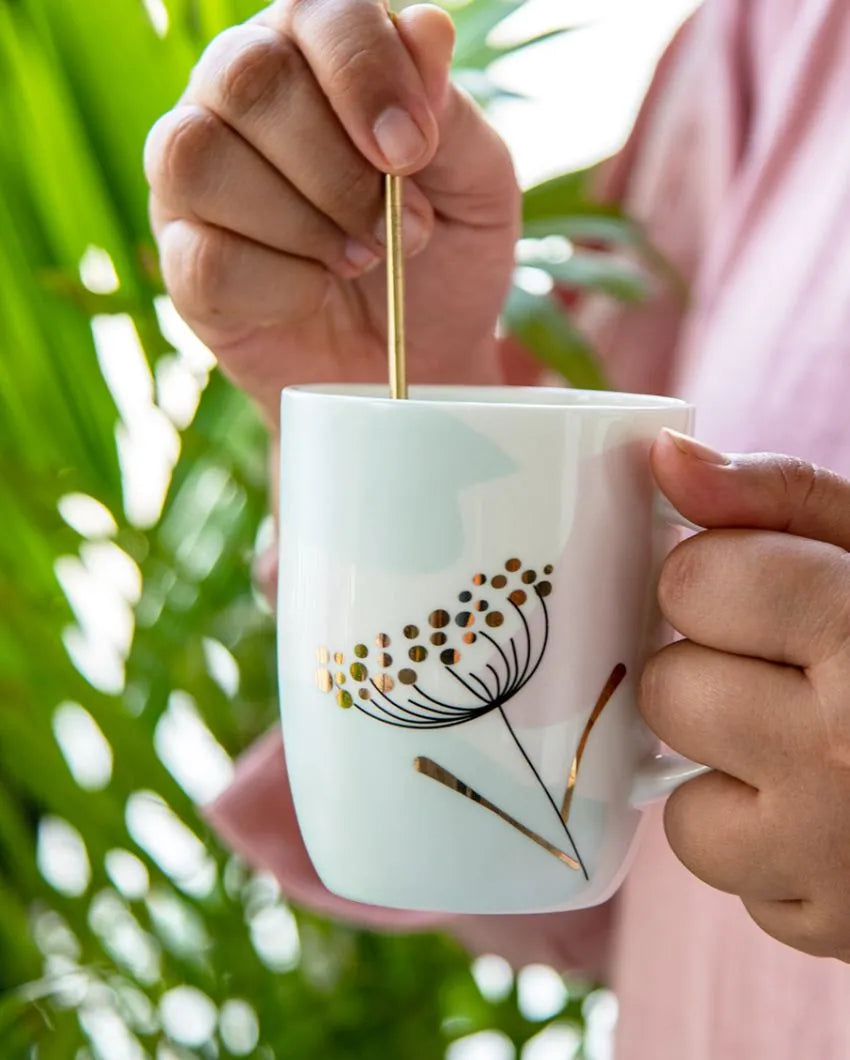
pixel 361 651
pixel 340 678
pixel 384 659
pixel 382 640
pixel 438 639
pixel 544 588
pixel 517 597
pixel 384 683
pixel 364 693
pixel 339 658
pixel 512 565
pixel 495 619
pixel 479 579
pixel 469 638
pixel 418 653
pixel 411 632
pixel 438 619
pixel 358 671
pixel 324 680
pixel 481 605
pixel 548 568
pixel 450 656
pixel 529 576
pixel 499 582
pixel 464 619
pixel 323 655
pixel 344 699
pixel 407 676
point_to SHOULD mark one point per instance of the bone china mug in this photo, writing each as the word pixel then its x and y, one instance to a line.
pixel 467 597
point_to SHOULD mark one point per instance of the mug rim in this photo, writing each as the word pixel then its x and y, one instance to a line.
pixel 488 396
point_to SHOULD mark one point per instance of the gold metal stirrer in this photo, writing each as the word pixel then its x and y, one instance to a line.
pixel 395 289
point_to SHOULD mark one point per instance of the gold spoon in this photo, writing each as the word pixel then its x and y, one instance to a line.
pixel 395 289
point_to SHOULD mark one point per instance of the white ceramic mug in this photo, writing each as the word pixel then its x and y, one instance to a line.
pixel 467 597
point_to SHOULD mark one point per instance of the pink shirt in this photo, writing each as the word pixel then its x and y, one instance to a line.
pixel 739 166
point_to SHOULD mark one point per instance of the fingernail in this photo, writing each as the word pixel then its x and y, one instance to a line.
pixel 414 231
pixel 399 138
pixel 362 258
pixel 697 450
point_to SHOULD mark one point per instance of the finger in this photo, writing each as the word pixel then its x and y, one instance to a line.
pixel 471 176
pixel 428 33
pixel 220 281
pixel 758 490
pixel 717 828
pixel 745 717
pixel 756 592
pixel 199 168
pixel 257 81
pixel 370 79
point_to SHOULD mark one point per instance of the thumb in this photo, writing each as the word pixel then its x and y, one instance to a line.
pixel 429 36
pixel 471 178
pixel 759 491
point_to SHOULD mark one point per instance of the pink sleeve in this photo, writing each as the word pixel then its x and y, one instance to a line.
pixel 256 819
pixel 654 176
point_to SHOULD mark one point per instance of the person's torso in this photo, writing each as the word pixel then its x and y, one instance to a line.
pixel 765 356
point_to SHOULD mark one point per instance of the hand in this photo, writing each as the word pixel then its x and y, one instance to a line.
pixel 267 198
pixel 760 689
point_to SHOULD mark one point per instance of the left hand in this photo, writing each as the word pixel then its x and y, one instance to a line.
pixel 760 689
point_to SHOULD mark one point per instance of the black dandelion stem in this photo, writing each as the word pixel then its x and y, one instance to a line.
pixel 398 706
pixel 469 688
pixel 518 683
pixel 497 679
pixel 428 712
pixel 508 674
pixel 475 677
pixel 439 702
pixel 516 660
pixel 534 669
pixel 544 789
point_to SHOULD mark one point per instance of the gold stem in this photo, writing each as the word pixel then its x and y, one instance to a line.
pixel 429 768
pixel 395 289
pixel 611 685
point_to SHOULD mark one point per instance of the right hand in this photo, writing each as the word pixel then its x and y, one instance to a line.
pixel 267 198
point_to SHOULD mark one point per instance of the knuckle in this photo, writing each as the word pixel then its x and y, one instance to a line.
pixel 656 691
pixel 256 71
pixel 206 271
pixel 683 838
pixel 194 267
pixel 800 482
pixel 649 690
pixel 153 148
pixel 680 576
pixel 834 602
pixel 299 7
pixel 350 68
pixel 826 613
pixel 353 197
pixel 177 150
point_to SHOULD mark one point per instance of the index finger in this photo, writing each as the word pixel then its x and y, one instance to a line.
pixel 369 78
pixel 761 593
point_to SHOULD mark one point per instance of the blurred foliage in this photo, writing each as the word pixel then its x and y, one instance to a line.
pixel 90 950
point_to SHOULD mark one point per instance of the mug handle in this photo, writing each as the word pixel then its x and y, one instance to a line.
pixel 660 775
